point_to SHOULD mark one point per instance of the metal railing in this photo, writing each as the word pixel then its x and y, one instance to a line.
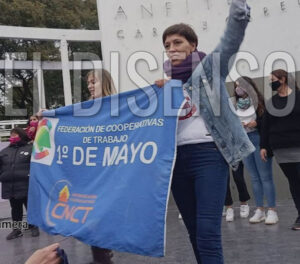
pixel 7 125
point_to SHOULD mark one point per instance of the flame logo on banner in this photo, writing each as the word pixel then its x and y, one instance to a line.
pixel 64 195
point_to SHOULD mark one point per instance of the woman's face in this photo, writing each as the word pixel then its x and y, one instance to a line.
pixel 94 86
pixel 273 78
pixel 14 135
pixel 239 91
pixel 178 48
pixel 33 119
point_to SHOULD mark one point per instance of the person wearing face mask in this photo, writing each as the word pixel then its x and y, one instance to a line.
pixel 14 176
pixel 32 125
pixel 250 108
pixel 281 131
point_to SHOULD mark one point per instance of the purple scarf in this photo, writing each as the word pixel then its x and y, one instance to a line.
pixel 184 70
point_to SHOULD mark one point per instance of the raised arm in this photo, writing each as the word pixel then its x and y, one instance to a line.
pixel 229 45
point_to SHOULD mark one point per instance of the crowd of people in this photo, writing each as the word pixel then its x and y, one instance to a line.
pixel 207 145
pixel 273 135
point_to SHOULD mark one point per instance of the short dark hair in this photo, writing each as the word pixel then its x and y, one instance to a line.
pixel 22 134
pixel 183 30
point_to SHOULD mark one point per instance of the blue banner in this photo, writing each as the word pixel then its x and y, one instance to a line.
pixel 101 170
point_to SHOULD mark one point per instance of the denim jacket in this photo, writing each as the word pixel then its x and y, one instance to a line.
pixel 207 88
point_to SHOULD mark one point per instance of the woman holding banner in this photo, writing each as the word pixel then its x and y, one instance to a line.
pixel 32 126
pixel 206 141
pixel 100 84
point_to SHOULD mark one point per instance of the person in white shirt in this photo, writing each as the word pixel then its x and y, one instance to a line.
pixel 250 108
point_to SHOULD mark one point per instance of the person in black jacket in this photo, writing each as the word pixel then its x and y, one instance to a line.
pixel 281 131
pixel 14 175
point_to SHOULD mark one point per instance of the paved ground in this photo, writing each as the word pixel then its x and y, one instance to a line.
pixel 243 243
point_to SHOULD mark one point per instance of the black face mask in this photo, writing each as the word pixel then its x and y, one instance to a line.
pixel 275 85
